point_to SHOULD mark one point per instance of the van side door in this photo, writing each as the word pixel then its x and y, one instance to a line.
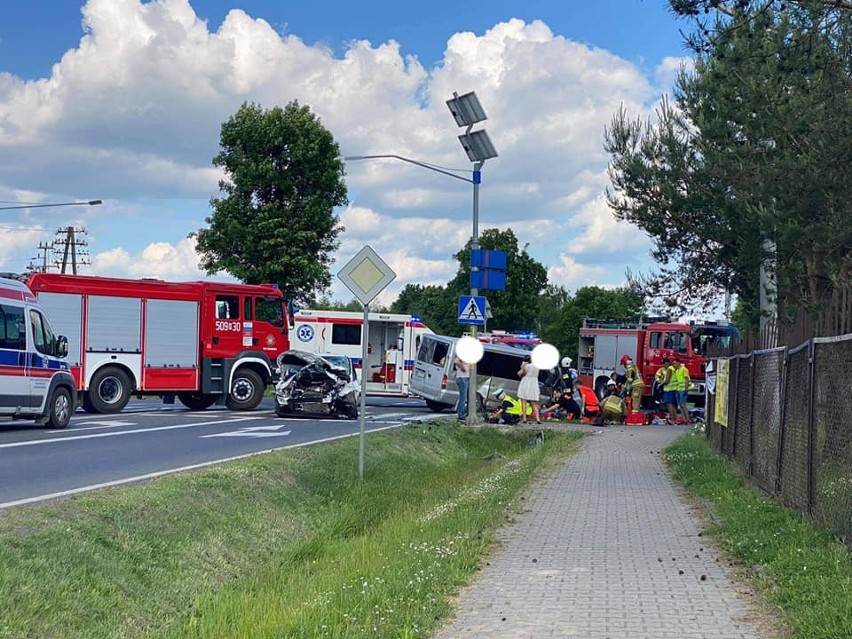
pixel 14 362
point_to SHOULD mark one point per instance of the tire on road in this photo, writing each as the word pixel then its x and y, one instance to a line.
pixel 60 407
pixel 109 391
pixel 436 407
pixel 196 401
pixel 246 390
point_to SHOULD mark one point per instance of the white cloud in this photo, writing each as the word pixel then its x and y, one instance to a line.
pixel 160 260
pixel 133 113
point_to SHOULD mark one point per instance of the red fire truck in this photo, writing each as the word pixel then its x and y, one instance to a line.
pixel 603 342
pixel 205 342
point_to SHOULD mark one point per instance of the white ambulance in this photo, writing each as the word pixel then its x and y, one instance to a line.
pixel 34 378
pixel 392 344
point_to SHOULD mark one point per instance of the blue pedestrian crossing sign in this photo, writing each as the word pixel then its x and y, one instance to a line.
pixel 472 310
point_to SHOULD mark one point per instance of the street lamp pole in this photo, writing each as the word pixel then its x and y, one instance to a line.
pixel 44 206
pixel 467 111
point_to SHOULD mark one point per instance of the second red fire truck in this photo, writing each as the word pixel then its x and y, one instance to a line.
pixel 603 342
pixel 205 342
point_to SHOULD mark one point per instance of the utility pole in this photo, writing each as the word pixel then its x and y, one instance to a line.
pixel 43 248
pixel 70 242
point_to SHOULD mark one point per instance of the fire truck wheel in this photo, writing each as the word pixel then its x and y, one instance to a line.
pixel 61 406
pixel 246 390
pixel 109 390
pixel 196 401
pixel 436 407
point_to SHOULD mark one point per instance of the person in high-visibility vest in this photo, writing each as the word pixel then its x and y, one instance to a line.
pixel 684 381
pixel 588 402
pixel 510 408
pixel 613 406
pixel 659 382
pixel 635 383
pixel 670 388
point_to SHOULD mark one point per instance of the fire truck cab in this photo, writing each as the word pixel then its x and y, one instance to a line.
pixel 647 341
pixel 205 342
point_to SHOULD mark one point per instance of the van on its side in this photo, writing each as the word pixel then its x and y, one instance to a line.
pixel 34 378
pixel 434 375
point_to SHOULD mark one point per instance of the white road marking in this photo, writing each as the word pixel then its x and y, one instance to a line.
pixel 108 423
pixel 171 471
pixel 155 429
pixel 252 432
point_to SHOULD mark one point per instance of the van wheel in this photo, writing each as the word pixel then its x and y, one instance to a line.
pixel 60 406
pixel 246 390
pixel 109 390
pixel 436 407
pixel 196 401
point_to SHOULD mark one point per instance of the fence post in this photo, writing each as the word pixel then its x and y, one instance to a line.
pixel 783 420
pixel 811 428
pixel 732 409
pixel 752 360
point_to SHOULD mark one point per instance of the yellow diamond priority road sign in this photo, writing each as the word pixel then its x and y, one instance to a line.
pixel 366 275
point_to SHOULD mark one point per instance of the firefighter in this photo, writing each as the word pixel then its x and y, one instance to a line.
pixel 589 404
pixel 569 375
pixel 635 384
pixel 613 406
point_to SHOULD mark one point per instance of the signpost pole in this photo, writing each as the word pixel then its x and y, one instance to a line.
pixel 472 412
pixel 365 338
pixel 366 275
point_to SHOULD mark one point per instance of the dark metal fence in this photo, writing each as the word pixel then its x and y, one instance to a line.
pixel 789 426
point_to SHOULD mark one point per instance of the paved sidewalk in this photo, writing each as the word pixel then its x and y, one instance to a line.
pixel 606 550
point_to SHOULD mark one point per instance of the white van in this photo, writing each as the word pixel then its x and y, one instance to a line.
pixel 434 375
pixel 34 378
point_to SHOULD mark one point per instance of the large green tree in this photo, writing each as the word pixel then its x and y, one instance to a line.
pixel 276 220
pixel 434 305
pixel 516 308
pixel 750 162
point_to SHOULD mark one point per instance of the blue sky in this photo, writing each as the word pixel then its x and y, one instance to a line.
pixel 127 106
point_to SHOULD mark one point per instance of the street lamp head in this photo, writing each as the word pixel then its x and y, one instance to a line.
pixel 478 146
pixel 95 202
pixel 466 109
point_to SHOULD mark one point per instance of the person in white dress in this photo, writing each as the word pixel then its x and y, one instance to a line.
pixel 528 390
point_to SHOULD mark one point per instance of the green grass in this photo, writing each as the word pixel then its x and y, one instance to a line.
pixel 289 544
pixel 805 572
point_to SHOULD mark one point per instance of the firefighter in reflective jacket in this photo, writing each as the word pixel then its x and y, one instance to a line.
pixel 613 406
pixel 588 402
pixel 635 383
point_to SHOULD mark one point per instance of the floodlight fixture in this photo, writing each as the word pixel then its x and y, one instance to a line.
pixel 466 109
pixel 478 146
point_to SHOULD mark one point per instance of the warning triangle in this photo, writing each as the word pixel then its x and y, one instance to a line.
pixel 471 311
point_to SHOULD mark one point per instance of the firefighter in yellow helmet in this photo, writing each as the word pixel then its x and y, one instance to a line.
pixel 635 383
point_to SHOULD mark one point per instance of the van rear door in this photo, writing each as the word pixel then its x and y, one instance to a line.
pixel 429 369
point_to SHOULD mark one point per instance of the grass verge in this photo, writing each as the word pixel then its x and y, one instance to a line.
pixel 289 544
pixel 803 571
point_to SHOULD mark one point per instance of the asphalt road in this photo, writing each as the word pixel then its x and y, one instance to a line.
pixel 148 439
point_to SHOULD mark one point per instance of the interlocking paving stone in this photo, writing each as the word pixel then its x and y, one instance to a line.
pixel 597 555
